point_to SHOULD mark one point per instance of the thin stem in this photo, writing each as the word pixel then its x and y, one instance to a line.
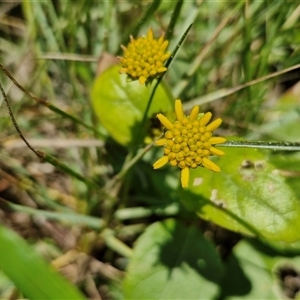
pixel 15 122
pixel 144 212
pixel 174 18
pixel 200 56
pixel 226 92
pixel 115 244
pixel 55 162
pixel 177 47
pixel 52 160
pixel 139 134
pixel 137 141
pixel 129 164
pixel 135 159
pixel 66 217
pixel 47 103
pixel 283 146
pixel 136 26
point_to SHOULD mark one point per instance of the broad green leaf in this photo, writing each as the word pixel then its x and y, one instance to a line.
pixel 249 196
pixel 30 273
pixel 289 166
pixel 286 271
pixel 173 261
pixel 120 105
pixel 247 276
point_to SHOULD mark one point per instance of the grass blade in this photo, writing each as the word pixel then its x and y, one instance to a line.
pixel 31 274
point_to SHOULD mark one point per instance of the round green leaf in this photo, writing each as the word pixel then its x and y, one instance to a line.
pixel 247 275
pixel 249 196
pixel 30 273
pixel 173 261
pixel 120 105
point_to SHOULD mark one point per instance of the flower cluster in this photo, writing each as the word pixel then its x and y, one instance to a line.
pixel 144 58
pixel 188 142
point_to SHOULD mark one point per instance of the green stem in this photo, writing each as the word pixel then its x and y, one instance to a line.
pixel 174 18
pixel 70 218
pixel 15 122
pixel 144 212
pixel 115 244
pixel 138 137
pixel 283 146
pixel 177 47
pixel 129 163
pixel 133 30
pixel 222 93
pixel 143 122
pixel 55 162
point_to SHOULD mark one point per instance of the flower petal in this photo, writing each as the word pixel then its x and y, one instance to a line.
pixel 205 119
pixel 216 151
pixel 161 40
pixel 160 162
pixel 214 125
pixel 165 56
pixel 150 34
pixel 185 176
pixel 161 69
pixel 164 46
pixel 160 142
pixel 217 140
pixel 142 79
pixel 123 70
pixel 152 72
pixel 165 121
pixel 194 113
pixel 208 164
pixel 178 110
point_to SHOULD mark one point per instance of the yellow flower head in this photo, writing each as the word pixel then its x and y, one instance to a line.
pixel 144 58
pixel 188 142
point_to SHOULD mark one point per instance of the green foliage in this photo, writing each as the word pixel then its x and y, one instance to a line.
pixel 168 254
pixel 112 96
pixel 34 278
pixel 253 279
pixel 249 196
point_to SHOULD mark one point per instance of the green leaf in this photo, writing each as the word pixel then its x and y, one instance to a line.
pixel 289 166
pixel 254 271
pixel 249 196
pixel 247 276
pixel 30 273
pixel 120 105
pixel 6 286
pixel 173 261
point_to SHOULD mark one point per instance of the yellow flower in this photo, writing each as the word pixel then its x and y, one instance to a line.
pixel 144 58
pixel 188 142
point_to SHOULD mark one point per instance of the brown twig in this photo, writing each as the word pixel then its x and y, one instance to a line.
pixel 16 124
pixel 31 95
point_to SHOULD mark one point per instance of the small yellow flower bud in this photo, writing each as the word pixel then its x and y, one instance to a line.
pixel 144 58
